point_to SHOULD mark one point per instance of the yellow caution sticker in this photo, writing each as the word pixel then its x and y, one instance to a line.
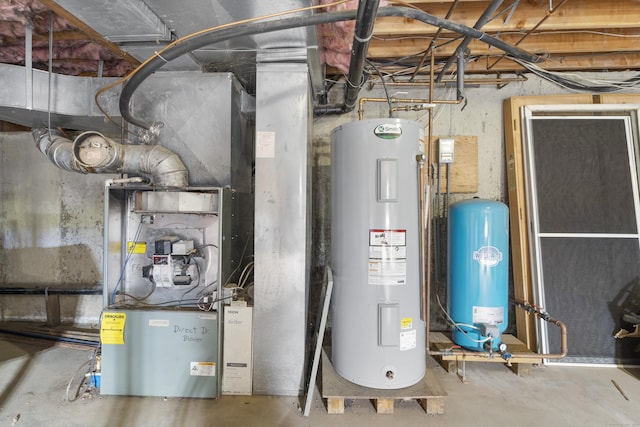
pixel 406 323
pixel 137 247
pixel 112 328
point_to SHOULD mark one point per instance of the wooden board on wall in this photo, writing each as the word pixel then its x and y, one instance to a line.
pixel 519 231
pixel 464 170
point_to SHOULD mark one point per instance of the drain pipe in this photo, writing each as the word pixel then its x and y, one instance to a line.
pixel 365 18
pixel 91 152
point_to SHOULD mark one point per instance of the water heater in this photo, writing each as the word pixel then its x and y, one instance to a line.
pixel 478 267
pixel 378 332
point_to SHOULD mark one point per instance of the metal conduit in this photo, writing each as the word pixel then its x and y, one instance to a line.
pixel 223 34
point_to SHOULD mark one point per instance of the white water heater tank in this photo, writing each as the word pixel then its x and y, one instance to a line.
pixel 378 331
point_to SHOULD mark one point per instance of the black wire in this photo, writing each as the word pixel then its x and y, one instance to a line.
pixel 384 85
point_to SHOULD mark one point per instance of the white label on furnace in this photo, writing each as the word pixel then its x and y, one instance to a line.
pixel 265 145
pixel 203 369
pixel 489 315
pixel 163 323
pixel 408 340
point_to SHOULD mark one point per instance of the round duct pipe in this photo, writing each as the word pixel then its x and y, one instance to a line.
pixel 92 152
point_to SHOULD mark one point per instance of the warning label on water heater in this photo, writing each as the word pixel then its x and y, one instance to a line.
pixel 387 257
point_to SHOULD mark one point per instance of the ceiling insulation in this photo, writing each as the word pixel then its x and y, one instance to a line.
pixel 73 52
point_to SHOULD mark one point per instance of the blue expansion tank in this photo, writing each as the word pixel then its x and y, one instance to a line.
pixel 478 266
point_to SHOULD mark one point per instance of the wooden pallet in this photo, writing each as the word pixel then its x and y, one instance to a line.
pixel 336 389
pixel 450 362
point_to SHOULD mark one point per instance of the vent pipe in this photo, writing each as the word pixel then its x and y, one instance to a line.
pixel 366 17
pixel 92 152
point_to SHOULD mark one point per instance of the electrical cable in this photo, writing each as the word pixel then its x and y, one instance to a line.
pixel 244 276
pixel 50 72
pixel 130 250
pixel 459 326
pixel 580 83
pixel 79 385
pixel 219 34
pixel 384 86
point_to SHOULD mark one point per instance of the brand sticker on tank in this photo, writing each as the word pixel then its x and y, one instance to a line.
pixel 388 131
pixel 488 256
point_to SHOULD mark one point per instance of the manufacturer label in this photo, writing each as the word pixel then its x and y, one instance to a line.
pixel 488 256
pixel 488 315
pixel 388 131
pixel 408 340
pixel 163 323
pixel 387 257
pixel 203 369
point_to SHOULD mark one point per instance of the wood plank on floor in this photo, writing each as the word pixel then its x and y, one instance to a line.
pixel 428 392
pixel 521 365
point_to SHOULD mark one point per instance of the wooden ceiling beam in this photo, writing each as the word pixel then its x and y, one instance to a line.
pixel 624 40
pixel 617 62
pixel 574 15
pixel 90 32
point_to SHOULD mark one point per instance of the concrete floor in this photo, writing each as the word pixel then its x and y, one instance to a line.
pixel 34 378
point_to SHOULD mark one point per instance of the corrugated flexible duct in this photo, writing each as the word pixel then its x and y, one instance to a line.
pixel 92 152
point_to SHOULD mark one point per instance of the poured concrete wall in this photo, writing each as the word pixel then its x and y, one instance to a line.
pixel 50 232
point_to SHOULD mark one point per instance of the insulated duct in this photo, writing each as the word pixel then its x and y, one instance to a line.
pixel 222 34
pixel 91 152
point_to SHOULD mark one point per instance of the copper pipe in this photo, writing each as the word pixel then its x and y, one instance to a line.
pixel 427 301
pixel 492 80
pixel 426 104
pixel 420 158
pixel 520 355
pixel 528 33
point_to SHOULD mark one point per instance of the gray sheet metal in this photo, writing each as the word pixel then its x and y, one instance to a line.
pixel 72 103
pixel 202 123
pixel 160 350
pixel 282 227
pixel 119 20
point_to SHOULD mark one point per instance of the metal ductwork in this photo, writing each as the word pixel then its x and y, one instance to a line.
pixel 92 152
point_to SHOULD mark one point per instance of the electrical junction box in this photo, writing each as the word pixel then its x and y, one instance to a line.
pixel 237 373
pixel 445 150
